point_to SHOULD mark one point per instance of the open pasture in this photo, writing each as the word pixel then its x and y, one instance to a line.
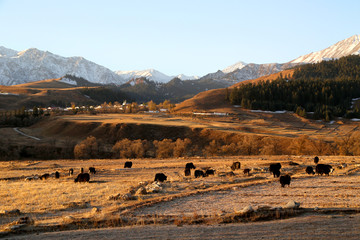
pixel 55 202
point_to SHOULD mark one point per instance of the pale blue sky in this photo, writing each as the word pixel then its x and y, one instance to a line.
pixel 193 37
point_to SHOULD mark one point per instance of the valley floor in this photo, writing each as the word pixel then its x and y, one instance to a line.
pixel 184 207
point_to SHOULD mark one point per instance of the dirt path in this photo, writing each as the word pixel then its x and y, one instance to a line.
pixel 24 134
pixel 305 227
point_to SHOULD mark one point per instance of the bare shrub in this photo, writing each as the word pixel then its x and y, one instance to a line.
pixel 122 149
pixel 231 149
pixel 321 147
pixel 212 149
pixel 345 145
pixel 301 146
pixel 126 148
pixel 250 145
pixel 182 147
pixel 271 146
pixel 87 148
pixel 164 148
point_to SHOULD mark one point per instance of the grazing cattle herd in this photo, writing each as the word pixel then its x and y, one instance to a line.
pixel 274 169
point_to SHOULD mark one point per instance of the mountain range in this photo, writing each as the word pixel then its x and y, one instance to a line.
pixel 152 75
pixel 33 65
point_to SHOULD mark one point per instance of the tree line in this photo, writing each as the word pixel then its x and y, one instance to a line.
pixel 325 89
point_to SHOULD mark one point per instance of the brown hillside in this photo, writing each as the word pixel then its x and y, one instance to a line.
pixel 204 101
pixel 270 77
pixel 214 100
pixel 39 93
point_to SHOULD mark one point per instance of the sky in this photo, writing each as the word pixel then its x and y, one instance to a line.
pixel 192 37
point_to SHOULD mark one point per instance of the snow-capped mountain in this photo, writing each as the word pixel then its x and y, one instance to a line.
pixel 33 65
pixel 152 75
pixel 346 47
pixel 234 67
pixel 241 71
pixel 252 71
pixel 185 77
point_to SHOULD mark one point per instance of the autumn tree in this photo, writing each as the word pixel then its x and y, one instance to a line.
pixel 87 148
pixel 182 147
pixel 164 148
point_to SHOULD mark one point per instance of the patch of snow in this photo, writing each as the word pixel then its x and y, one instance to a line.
pixel 7 94
pixel 39 65
pixel 236 66
pixel 153 75
pixel 340 49
pixel 185 77
pixel 68 81
pixel 355 119
pixel 150 74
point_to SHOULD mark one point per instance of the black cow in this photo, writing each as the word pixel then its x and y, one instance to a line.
pixel 44 176
pixel 82 177
pixel 190 165
pixel 316 160
pixel 285 180
pixel 199 173
pixel 187 172
pixel 71 172
pixel 309 170
pixel 92 170
pixel 160 177
pixel 57 174
pixel 128 164
pixel 324 169
pixel 209 172
pixel 235 165
pixel 275 169
pixel 247 171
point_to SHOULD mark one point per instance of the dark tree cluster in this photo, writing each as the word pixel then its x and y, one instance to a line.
pixel 325 88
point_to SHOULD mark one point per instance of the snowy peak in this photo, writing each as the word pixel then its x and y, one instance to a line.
pixel 150 74
pixel 346 47
pixel 236 66
pixel 153 75
pixel 33 65
pixel 185 77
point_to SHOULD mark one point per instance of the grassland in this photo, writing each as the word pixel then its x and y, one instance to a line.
pixel 61 204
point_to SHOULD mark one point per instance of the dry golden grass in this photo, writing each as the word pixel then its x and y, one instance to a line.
pixel 185 200
pixel 262 124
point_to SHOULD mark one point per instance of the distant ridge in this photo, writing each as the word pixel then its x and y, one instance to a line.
pixel 241 71
pixel 153 75
pixel 346 47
